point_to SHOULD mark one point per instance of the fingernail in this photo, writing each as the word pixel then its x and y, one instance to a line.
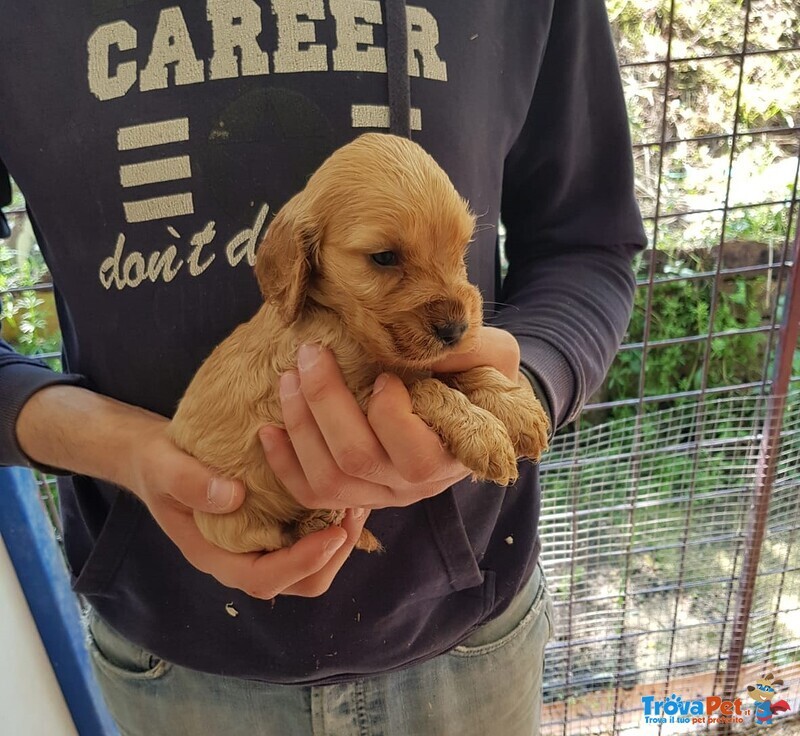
pixel 380 383
pixel 307 357
pixel 333 545
pixel 358 513
pixel 290 385
pixel 220 492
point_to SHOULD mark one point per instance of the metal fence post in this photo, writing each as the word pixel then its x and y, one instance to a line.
pixel 765 472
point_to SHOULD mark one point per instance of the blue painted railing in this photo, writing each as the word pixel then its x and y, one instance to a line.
pixel 33 550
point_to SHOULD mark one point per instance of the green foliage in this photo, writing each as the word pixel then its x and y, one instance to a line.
pixel 759 224
pixel 636 24
pixel 681 309
pixel 24 313
pixel 15 274
pixel 17 200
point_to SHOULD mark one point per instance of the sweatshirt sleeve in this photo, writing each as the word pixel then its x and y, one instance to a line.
pixel 572 222
pixel 20 378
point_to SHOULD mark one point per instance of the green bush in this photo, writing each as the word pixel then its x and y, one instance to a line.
pixel 28 318
pixel 680 309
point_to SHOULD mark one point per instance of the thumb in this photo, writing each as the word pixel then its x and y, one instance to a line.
pixel 201 489
pixel 491 347
pixel 223 495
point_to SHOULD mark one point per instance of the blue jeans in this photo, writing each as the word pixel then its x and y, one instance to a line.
pixel 490 684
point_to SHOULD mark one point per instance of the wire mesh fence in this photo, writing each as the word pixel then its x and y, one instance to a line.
pixel 645 526
pixel 671 509
pixel 671 513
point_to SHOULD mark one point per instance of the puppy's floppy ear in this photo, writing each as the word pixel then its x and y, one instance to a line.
pixel 285 256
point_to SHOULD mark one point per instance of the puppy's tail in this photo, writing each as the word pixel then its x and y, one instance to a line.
pixel 369 542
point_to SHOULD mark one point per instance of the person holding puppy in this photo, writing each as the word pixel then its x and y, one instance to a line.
pixel 151 158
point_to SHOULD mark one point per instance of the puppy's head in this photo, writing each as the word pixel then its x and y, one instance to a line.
pixel 379 235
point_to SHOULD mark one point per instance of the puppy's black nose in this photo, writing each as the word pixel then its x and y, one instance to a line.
pixel 450 332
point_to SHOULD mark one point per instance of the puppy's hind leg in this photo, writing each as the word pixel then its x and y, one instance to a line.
pixel 243 531
pixel 322 519
pixel 476 437
pixel 514 404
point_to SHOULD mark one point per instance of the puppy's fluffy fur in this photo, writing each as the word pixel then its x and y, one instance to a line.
pixel 321 284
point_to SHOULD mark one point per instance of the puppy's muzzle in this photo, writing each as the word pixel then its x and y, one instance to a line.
pixel 450 333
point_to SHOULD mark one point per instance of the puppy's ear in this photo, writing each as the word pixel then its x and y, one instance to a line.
pixel 285 257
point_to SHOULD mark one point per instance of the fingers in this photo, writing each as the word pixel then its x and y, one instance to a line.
pixel 165 470
pixel 494 347
pixel 317 482
pixel 414 449
pixel 390 458
pixel 282 459
pixel 260 575
pixel 197 487
pixel 331 403
pixel 279 572
pixel 325 467
pixel 319 583
pixel 175 484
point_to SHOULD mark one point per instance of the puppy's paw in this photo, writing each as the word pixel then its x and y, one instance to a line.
pixel 475 436
pixel 529 426
pixel 490 454
pixel 515 405
pixel 317 520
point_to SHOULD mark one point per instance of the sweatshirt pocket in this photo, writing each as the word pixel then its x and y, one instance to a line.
pixel 109 549
pixel 452 542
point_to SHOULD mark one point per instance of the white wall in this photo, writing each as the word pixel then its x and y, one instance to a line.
pixel 31 702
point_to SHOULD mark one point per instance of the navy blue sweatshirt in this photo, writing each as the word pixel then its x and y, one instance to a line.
pixel 154 143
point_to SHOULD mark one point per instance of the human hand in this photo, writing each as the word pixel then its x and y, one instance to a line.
pixel 493 348
pixel 71 428
pixel 389 457
pixel 173 484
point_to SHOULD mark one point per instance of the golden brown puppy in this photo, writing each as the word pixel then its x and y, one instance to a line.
pixel 368 260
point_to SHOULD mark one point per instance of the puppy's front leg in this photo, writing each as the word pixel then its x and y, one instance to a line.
pixel 514 404
pixel 475 436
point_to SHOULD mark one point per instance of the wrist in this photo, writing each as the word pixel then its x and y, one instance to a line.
pixel 539 393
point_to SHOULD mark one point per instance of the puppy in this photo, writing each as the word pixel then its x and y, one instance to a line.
pixel 368 261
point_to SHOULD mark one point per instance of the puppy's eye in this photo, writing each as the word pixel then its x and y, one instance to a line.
pixel 385 258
